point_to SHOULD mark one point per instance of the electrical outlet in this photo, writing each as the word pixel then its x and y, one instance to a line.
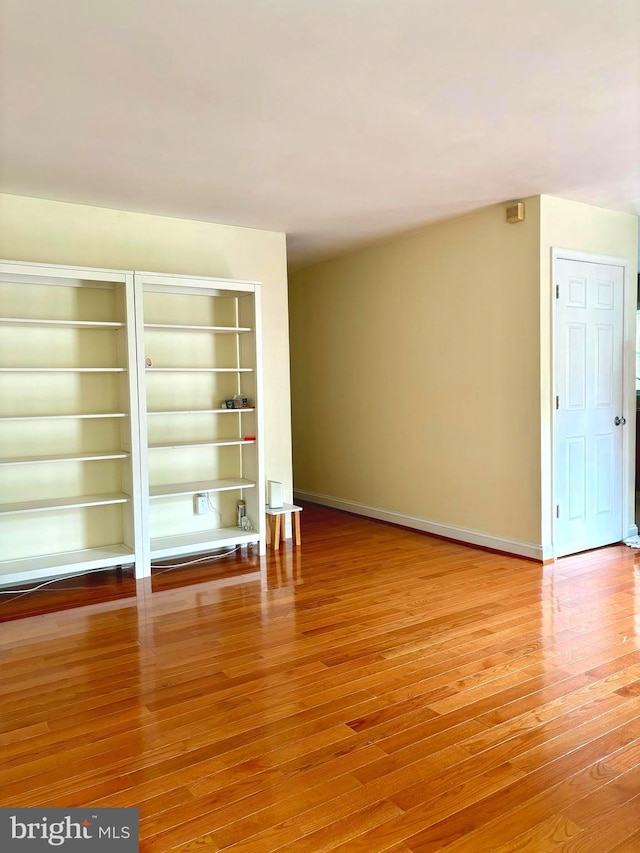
pixel 200 504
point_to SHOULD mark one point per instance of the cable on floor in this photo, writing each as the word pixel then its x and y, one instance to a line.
pixel 207 559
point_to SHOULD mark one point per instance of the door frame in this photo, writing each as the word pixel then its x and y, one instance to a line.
pixel 628 527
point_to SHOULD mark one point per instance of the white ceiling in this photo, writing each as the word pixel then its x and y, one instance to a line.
pixel 337 121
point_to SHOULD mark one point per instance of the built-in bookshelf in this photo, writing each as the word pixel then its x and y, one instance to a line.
pixel 199 351
pixel 69 438
pixel 123 396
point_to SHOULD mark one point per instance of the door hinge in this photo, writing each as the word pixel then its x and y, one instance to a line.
pixel 557 510
pixel 557 291
pixel 557 401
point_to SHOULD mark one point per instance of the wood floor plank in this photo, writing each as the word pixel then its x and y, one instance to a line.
pixel 617 827
pixel 545 837
pixel 547 722
pixel 346 829
pixel 618 728
pixel 483 826
pixel 403 827
pixel 630 845
pixel 373 690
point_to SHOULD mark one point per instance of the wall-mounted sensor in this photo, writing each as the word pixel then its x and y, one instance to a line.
pixel 515 212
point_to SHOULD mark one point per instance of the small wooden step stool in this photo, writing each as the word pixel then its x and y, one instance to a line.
pixel 276 515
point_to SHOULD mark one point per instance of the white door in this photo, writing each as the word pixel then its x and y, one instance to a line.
pixel 589 428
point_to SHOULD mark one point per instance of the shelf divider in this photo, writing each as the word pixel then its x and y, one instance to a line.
pixel 201 542
pixel 60 417
pixel 67 457
pixel 63 370
pixel 177 489
pixel 64 563
pixel 63 503
pixel 218 411
pixel 199 370
pixel 232 330
pixel 218 442
pixel 64 324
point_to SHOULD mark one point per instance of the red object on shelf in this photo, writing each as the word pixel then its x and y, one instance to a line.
pixel 249 438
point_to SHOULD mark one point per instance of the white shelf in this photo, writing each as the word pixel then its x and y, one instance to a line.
pixel 199 370
pixel 62 370
pixel 125 305
pixel 219 411
pixel 220 442
pixel 233 311
pixel 68 457
pixel 69 562
pixel 194 543
pixel 176 489
pixel 181 327
pixel 64 503
pixel 60 417
pixel 64 324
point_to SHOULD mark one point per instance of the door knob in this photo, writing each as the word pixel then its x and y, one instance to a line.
pixel 619 421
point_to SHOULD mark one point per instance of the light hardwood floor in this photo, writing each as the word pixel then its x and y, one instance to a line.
pixel 373 690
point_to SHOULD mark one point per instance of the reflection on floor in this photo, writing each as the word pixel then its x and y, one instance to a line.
pixel 374 689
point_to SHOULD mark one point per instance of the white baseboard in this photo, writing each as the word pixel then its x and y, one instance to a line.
pixel 632 531
pixel 460 534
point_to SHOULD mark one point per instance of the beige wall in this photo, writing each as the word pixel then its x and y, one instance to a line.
pixel 415 375
pixel 54 232
pixel 582 227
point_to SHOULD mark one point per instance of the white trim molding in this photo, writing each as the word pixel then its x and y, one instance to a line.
pixel 588 257
pixel 448 531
